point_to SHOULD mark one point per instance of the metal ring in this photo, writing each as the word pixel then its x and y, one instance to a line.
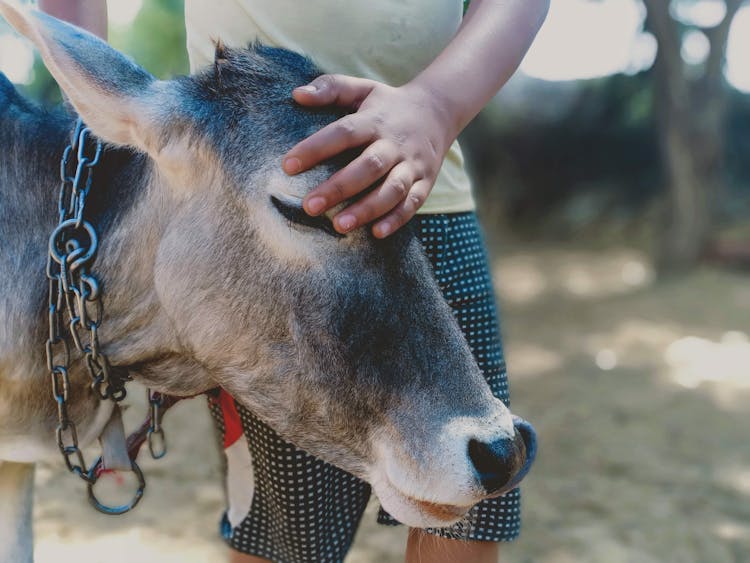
pixel 123 508
pixel 74 254
pixel 117 394
pixel 58 257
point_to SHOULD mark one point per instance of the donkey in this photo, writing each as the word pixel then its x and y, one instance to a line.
pixel 215 276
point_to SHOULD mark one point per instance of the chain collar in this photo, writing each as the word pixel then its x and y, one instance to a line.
pixel 76 311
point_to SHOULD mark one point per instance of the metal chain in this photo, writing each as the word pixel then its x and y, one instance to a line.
pixel 157 442
pixel 75 297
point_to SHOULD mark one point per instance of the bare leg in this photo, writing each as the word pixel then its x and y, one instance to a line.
pixel 427 548
pixel 16 492
pixel 237 557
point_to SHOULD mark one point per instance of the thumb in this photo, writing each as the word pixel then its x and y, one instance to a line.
pixel 334 89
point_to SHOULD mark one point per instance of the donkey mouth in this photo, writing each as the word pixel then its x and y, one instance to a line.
pixel 441 512
pixel 416 512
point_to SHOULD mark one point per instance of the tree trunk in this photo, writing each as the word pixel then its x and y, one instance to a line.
pixel 693 150
pixel 692 113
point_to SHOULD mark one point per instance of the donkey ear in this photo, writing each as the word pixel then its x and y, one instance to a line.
pixel 119 100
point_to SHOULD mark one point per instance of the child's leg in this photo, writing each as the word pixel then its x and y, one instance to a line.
pixel 284 505
pixel 428 547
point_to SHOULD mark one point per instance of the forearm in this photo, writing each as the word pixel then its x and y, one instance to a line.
pixel 91 15
pixel 483 55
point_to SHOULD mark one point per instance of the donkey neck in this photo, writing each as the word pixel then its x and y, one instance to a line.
pixel 32 141
pixel 31 144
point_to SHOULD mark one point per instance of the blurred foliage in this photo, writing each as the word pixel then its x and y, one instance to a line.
pixel 599 162
pixel 599 158
pixel 43 88
pixel 155 39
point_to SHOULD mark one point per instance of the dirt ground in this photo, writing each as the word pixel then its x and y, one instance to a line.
pixel 640 392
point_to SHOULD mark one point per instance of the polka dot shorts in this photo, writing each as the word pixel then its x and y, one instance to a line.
pixel 290 507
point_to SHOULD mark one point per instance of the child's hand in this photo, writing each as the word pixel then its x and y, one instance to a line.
pixel 405 136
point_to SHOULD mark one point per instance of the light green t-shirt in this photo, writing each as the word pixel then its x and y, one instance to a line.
pixel 386 40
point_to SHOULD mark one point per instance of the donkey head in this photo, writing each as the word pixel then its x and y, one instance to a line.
pixel 343 344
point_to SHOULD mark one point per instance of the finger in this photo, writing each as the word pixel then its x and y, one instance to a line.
pixel 346 133
pixel 334 89
pixel 379 202
pixel 405 210
pixel 361 173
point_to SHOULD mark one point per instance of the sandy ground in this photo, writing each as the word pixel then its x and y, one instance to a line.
pixel 640 393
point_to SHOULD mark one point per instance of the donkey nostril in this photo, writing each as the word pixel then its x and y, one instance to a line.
pixel 495 462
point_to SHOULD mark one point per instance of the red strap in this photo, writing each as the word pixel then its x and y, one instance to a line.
pixel 232 421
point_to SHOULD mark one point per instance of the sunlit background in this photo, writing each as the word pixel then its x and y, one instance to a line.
pixel 626 326
pixel 581 39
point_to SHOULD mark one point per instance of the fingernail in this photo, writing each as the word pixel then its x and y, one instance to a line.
pixel 292 165
pixel 309 88
pixel 346 222
pixel 383 229
pixel 316 205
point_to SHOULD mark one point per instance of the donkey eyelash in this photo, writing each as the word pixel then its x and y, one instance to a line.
pixel 294 213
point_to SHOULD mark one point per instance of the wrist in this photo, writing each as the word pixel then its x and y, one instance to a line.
pixel 438 107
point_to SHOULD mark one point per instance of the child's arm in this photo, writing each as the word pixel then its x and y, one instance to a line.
pixel 407 131
pixel 91 15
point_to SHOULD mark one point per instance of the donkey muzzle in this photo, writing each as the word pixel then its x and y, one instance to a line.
pixel 501 464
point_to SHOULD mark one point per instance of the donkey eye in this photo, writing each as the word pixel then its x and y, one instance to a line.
pixel 292 211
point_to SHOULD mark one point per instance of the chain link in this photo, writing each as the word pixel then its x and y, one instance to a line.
pixel 75 297
pixel 157 442
pixel 75 314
